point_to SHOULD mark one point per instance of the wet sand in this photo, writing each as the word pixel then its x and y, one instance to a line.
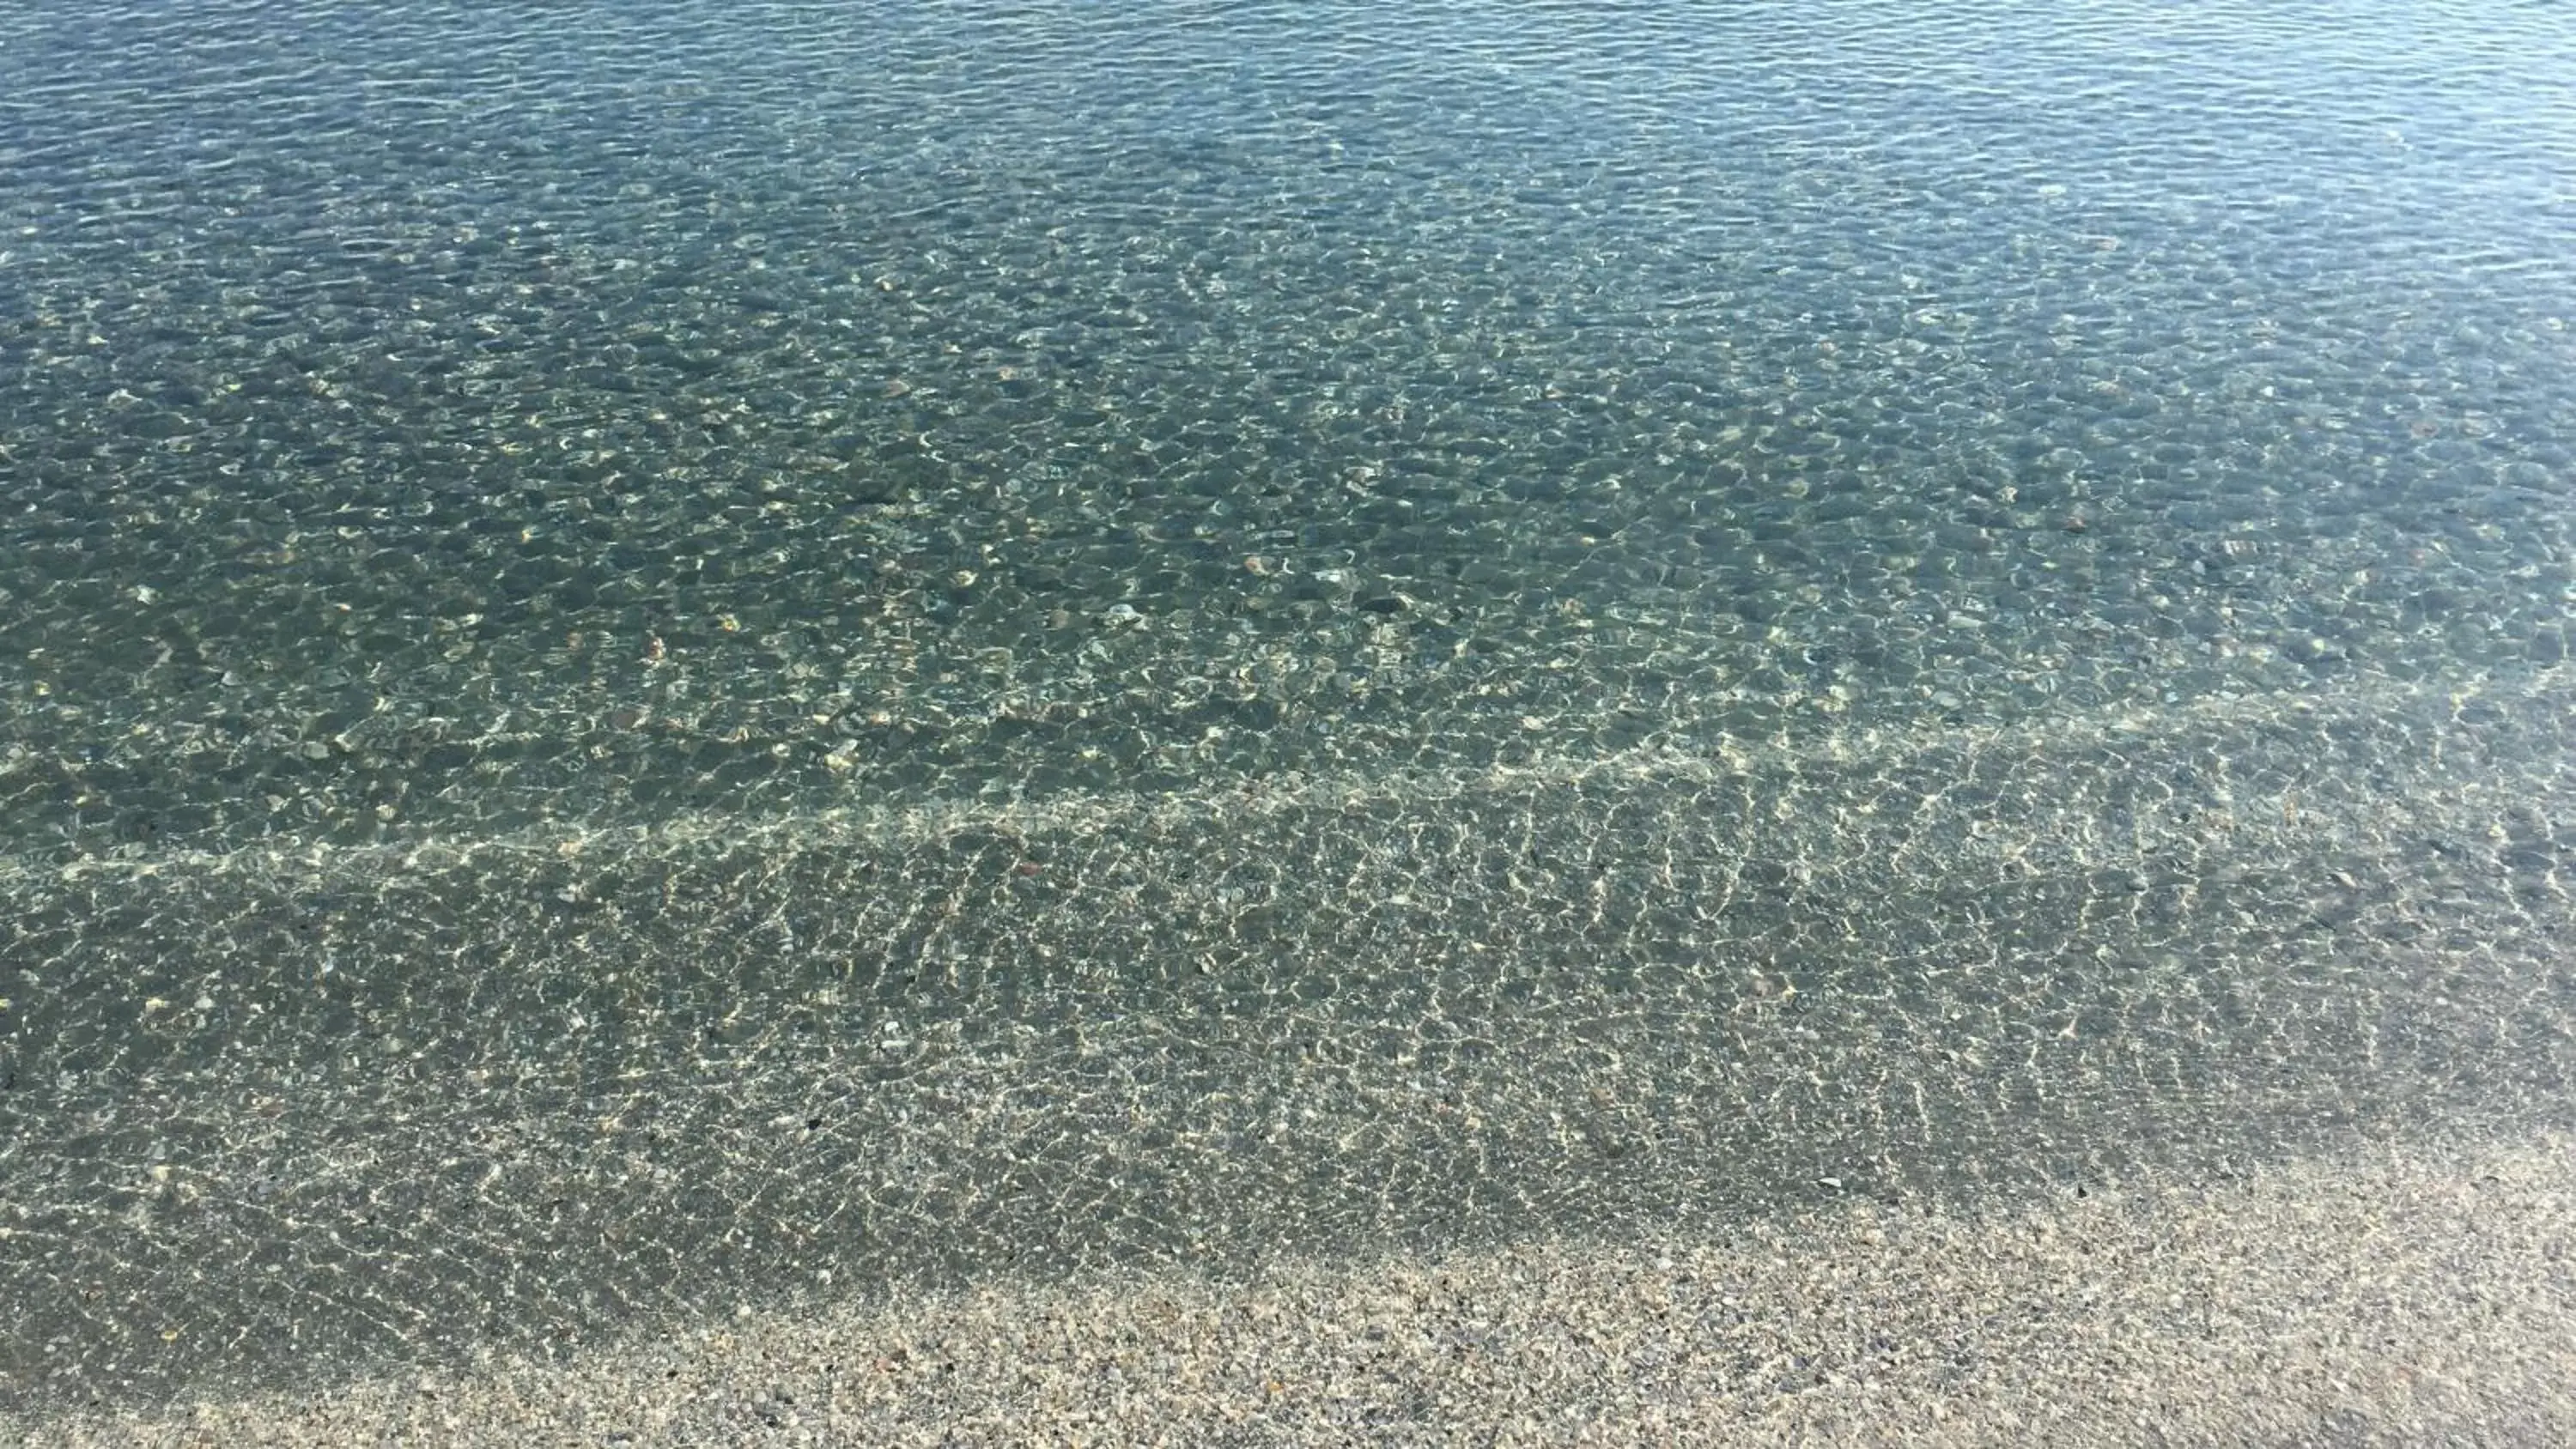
pixel 2397 1295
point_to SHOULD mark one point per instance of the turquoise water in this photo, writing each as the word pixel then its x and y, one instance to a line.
pixel 896 641
pixel 450 420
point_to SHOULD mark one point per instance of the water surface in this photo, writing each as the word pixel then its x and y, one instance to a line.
pixel 654 656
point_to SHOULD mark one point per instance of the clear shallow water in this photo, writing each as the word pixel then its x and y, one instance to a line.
pixel 450 420
pixel 891 641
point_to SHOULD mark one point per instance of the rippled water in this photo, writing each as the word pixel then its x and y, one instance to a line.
pixel 671 563
pixel 482 413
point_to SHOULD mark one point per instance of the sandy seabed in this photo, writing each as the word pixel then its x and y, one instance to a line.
pixel 2416 1295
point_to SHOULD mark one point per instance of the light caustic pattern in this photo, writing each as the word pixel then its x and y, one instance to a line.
pixel 277 1112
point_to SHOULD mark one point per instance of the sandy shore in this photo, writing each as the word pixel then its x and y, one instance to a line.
pixel 1768 1101
pixel 2413 1296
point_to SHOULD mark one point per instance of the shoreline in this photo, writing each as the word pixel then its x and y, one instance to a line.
pixel 2378 1294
